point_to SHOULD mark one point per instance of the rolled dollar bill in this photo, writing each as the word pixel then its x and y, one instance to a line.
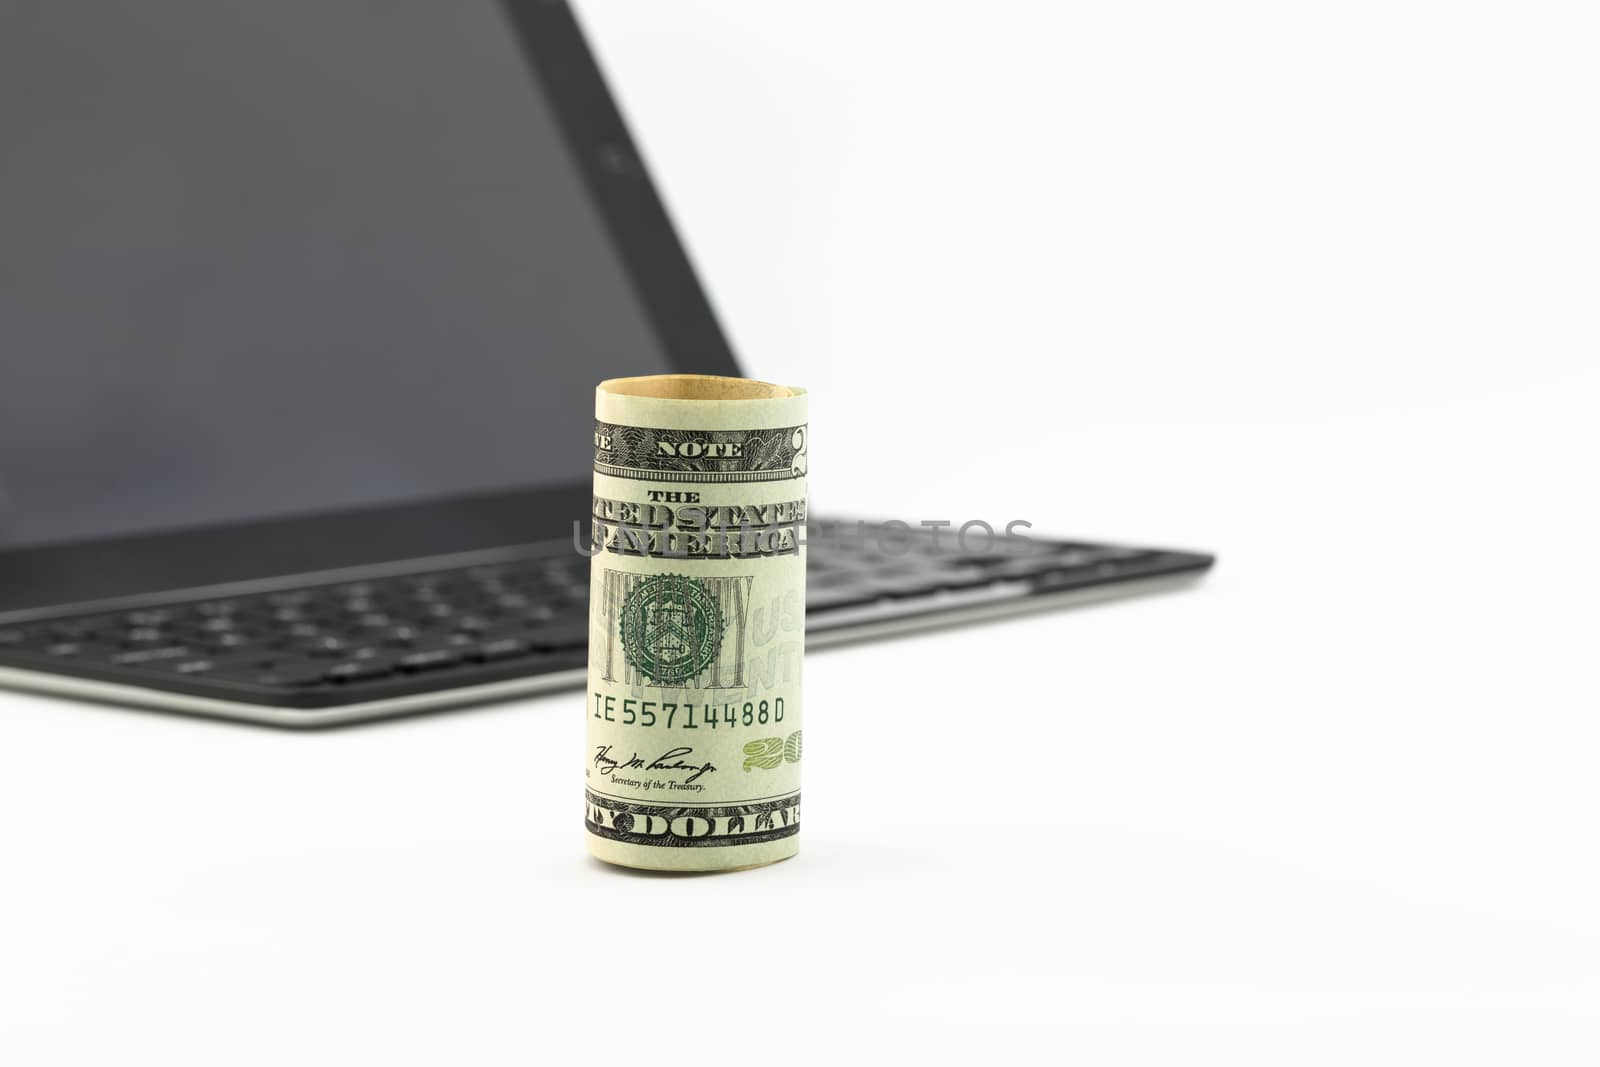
pixel 697 622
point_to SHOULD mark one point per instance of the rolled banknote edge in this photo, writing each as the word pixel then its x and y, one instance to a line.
pixel 697 387
pixel 717 403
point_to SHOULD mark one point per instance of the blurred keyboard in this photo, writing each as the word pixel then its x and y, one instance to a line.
pixel 350 642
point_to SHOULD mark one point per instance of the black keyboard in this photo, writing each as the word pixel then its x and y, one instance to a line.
pixel 349 642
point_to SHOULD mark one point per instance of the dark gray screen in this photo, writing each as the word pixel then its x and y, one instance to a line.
pixel 275 258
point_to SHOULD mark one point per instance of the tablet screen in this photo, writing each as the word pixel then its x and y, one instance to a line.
pixel 271 259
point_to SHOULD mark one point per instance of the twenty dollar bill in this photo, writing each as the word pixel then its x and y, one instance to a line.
pixel 696 622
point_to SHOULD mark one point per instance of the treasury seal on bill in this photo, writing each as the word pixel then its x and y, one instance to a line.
pixel 671 628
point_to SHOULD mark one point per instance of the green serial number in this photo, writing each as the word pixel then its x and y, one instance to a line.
pixel 631 712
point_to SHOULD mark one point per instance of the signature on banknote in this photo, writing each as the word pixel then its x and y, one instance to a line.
pixel 670 760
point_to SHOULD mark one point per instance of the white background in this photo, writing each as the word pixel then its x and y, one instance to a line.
pixel 1311 285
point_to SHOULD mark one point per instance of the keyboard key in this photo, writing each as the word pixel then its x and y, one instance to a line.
pixel 987 560
pixel 292 675
pixel 1062 579
pixel 75 629
pixel 837 597
pixel 963 579
pixel 150 617
pixel 65 648
pixel 904 586
pixel 194 666
pixel 503 648
pixel 144 635
pixel 12 637
pixel 432 659
pixel 359 670
pixel 327 646
pixel 402 636
pixel 150 655
pixel 1024 567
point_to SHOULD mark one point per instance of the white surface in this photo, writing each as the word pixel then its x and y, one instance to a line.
pixel 1311 285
